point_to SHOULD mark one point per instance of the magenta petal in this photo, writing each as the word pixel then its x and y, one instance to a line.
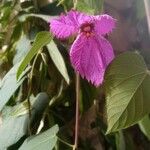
pixel 106 50
pixel 69 24
pixel 63 27
pixel 104 24
pixel 78 17
pixel 90 57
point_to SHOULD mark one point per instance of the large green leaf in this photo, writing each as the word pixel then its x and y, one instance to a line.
pixel 145 126
pixel 43 141
pixel 11 130
pixel 9 85
pixel 58 60
pixel 41 40
pixel 15 123
pixel 127 84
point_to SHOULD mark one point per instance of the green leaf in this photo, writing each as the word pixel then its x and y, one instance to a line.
pixel 96 5
pixel 46 18
pixel 6 12
pixel 40 104
pixel 120 141
pixel 41 40
pixel 22 48
pixel 144 125
pixel 17 32
pixel 43 141
pixel 127 84
pixel 84 7
pixel 9 85
pixel 15 123
pixel 58 60
pixel 20 109
pixel 12 129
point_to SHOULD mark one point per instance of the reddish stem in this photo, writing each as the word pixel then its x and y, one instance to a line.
pixel 77 111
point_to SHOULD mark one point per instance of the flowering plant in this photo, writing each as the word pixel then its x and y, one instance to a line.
pixel 90 53
pixel 68 78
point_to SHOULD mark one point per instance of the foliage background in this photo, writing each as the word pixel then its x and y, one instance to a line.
pixel 47 79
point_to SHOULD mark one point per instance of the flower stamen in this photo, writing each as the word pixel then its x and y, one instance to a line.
pixel 87 29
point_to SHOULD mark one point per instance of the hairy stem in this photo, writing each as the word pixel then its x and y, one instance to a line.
pixel 77 111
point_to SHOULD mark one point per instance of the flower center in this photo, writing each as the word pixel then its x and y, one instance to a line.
pixel 87 29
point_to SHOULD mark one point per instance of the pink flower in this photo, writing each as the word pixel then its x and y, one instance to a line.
pixel 90 53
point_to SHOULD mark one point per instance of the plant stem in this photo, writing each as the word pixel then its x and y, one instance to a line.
pixel 64 142
pixel 77 111
pixel 29 92
pixel 75 4
pixel 29 105
pixel 35 3
pixel 147 10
